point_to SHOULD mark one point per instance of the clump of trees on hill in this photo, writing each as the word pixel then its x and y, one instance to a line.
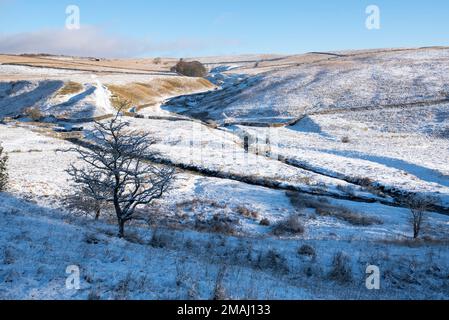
pixel 3 169
pixel 117 170
pixel 190 69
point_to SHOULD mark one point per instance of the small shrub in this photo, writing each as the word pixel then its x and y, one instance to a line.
pixel 345 140
pixel 341 268
pixel 34 114
pixel 365 182
pixel 292 226
pixel 307 250
pixel 247 212
pixel 265 222
pixel 217 224
pixel 273 260
pixel 157 60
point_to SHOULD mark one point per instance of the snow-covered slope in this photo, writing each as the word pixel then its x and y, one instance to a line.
pixel 78 95
pixel 41 248
pixel 356 80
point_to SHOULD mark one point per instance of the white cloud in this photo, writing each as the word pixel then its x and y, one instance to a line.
pixel 90 41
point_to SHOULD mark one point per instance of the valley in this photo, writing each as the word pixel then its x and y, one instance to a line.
pixel 294 174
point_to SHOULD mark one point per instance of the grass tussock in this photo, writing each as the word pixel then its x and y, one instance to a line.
pixel 247 213
pixel 292 225
pixel 272 260
pixel 307 250
pixel 217 224
pixel 341 270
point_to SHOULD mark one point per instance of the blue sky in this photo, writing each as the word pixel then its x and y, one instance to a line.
pixel 208 27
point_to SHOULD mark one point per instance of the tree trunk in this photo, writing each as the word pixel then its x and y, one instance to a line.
pixel 416 232
pixel 121 228
pixel 97 214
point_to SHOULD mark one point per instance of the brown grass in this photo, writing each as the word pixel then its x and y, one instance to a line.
pixel 325 209
pixel 70 88
pixel 217 224
pixel 348 216
pixel 145 94
pixel 290 226
pixel 247 213
pixel 34 114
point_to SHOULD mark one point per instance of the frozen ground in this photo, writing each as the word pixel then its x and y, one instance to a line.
pixel 260 212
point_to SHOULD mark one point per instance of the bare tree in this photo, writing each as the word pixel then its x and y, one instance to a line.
pixel 117 171
pixel 418 207
pixel 3 170
pixel 417 219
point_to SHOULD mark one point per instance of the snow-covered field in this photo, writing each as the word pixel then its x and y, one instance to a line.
pixel 40 244
pixel 407 155
pixel 258 212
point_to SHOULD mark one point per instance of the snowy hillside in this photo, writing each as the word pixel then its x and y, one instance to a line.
pixel 81 95
pixel 282 93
